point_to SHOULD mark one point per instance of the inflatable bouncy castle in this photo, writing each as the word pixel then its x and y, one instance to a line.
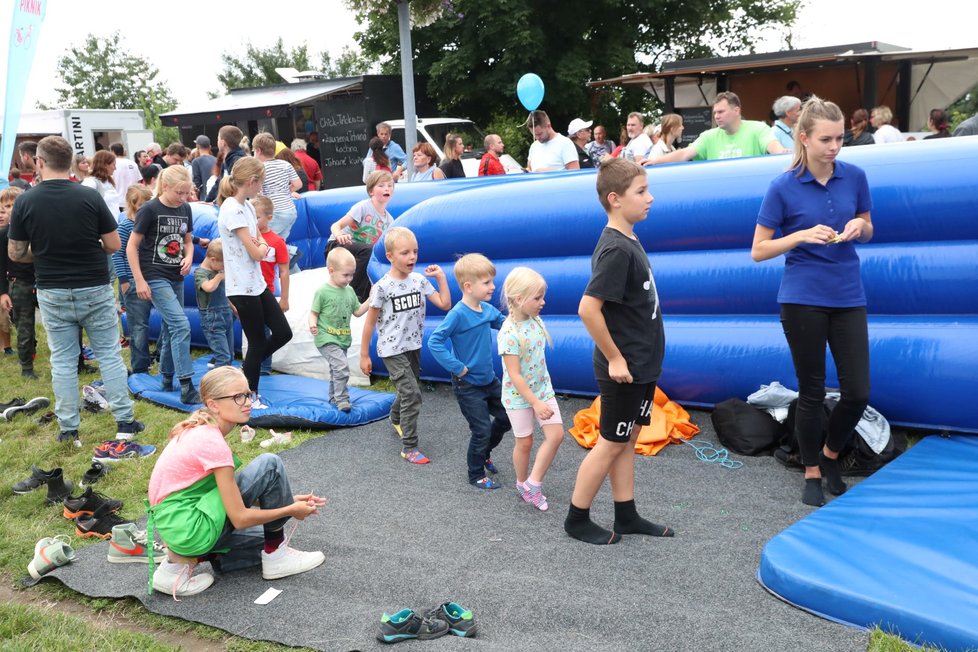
pixel 723 335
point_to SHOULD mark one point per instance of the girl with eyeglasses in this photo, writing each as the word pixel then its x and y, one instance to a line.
pixel 204 511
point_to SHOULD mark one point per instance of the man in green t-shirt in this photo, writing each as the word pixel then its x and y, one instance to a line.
pixel 731 138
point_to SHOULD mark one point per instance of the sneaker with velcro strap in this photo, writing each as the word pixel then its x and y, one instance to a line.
pixel 406 624
pixel 460 620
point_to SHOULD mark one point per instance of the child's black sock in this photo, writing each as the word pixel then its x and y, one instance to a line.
pixel 813 492
pixel 579 525
pixel 832 475
pixel 627 521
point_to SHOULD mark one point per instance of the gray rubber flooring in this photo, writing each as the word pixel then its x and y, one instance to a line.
pixel 397 535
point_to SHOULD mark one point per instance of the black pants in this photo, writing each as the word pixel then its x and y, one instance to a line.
pixel 361 253
pixel 255 313
pixel 808 329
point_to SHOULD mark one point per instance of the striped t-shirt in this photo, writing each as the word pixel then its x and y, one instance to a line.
pixel 278 175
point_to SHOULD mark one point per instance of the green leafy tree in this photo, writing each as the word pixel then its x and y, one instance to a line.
pixel 964 108
pixel 350 63
pixel 473 52
pixel 257 66
pixel 99 74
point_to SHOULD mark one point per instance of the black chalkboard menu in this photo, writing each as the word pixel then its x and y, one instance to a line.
pixel 343 128
pixel 695 121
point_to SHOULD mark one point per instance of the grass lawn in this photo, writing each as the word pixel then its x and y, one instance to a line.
pixel 98 623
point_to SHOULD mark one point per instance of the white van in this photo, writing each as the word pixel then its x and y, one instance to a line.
pixel 434 131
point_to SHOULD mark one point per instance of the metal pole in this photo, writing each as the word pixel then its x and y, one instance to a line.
pixel 407 83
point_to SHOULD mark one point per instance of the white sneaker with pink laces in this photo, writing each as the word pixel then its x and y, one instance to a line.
pixel 178 579
pixel 288 561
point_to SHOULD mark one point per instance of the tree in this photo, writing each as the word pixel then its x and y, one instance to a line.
pixel 474 52
pixel 257 66
pixel 349 63
pixel 99 74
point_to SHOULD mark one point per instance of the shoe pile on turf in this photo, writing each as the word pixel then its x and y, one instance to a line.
pixel 94 399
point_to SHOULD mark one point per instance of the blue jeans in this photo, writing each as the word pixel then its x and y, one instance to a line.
pixel 65 311
pixel 283 221
pixel 482 407
pixel 137 321
pixel 174 342
pixel 218 327
pixel 262 482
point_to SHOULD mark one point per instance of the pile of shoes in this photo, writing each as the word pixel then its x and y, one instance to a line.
pixel 407 624
pixel 94 398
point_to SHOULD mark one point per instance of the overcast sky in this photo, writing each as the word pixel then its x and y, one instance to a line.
pixel 185 39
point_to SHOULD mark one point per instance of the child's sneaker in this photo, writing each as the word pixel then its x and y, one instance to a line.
pixel 534 496
pixel 405 625
pixel 344 406
pixel 287 561
pixel 486 483
pixel 247 434
pixel 460 620
pixel 179 580
pixel 259 403
pixel 94 473
pixel 490 467
pixel 87 503
pixel 130 546
pixel 277 439
pixel 88 353
pixel 99 524
pixel 30 407
pixel 50 553
pixel 110 452
pixel 93 400
pixel 414 456
pixel 127 431
pixel 397 430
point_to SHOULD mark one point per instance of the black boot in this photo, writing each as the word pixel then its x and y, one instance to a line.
pixel 58 487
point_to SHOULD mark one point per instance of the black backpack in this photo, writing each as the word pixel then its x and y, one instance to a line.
pixel 856 457
pixel 745 429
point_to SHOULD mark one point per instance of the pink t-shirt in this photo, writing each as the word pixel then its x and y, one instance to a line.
pixel 188 457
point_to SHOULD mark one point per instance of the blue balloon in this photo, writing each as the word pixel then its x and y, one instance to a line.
pixel 530 91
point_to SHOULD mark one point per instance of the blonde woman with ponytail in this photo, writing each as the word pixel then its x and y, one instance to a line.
pixel 820 209
pixel 528 394
pixel 203 510
pixel 244 284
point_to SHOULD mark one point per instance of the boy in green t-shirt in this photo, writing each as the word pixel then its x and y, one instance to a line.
pixel 329 322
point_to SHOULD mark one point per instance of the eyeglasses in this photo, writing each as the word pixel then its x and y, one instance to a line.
pixel 241 399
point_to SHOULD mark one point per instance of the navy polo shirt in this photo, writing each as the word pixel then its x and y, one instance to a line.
pixel 814 274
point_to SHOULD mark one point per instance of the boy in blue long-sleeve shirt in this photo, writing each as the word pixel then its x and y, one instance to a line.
pixel 479 393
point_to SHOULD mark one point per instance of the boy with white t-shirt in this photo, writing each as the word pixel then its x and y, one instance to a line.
pixel 397 309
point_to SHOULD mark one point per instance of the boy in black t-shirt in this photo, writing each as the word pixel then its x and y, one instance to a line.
pixel 620 309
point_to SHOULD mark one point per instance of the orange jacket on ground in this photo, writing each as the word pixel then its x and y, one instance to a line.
pixel 670 423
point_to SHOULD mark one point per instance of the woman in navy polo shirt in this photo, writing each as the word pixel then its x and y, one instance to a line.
pixel 821 208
